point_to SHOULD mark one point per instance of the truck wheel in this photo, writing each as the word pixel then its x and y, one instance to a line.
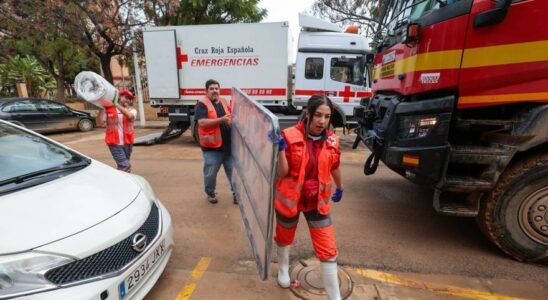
pixel 514 215
pixel 85 125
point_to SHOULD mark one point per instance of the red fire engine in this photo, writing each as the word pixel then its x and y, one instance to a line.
pixel 460 104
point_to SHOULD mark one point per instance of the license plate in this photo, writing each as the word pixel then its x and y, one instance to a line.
pixel 141 271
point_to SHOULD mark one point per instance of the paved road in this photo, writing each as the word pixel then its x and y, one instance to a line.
pixel 391 241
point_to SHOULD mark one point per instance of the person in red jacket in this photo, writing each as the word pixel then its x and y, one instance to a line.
pixel 119 133
pixel 308 163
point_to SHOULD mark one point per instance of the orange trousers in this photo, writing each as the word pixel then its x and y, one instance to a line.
pixel 321 233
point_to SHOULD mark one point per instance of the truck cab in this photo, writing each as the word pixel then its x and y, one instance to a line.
pixel 332 63
pixel 460 104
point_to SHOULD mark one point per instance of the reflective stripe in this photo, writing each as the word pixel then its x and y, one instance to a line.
pixel 324 222
pixel 323 202
pixel 210 138
pixel 326 186
pixel 286 224
pixel 111 127
pixel 287 202
pixel 299 187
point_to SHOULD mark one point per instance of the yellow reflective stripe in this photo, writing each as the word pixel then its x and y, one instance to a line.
pixel 505 54
pixel 503 98
pixel 471 58
pixel 286 201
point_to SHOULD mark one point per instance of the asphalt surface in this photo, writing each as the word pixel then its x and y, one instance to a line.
pixel 383 225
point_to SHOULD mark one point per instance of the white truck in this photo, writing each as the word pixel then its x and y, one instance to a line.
pixel 255 58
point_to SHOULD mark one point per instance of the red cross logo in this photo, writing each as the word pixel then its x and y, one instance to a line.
pixel 346 94
pixel 181 58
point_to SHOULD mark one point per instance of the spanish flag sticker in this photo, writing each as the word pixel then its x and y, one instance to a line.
pixel 410 160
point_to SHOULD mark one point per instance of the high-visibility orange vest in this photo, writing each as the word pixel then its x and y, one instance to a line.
pixel 289 188
pixel 210 137
pixel 111 133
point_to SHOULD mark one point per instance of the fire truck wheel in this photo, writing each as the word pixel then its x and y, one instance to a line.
pixel 514 215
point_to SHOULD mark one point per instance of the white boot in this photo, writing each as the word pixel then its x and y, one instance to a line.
pixel 330 280
pixel 283 266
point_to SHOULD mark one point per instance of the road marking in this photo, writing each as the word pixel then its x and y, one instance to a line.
pixel 201 267
pixel 432 287
pixel 196 274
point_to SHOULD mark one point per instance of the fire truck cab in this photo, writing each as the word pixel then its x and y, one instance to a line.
pixel 460 104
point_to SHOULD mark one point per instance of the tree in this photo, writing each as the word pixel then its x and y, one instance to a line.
pixel 189 12
pixel 39 28
pixel 369 14
pixel 28 70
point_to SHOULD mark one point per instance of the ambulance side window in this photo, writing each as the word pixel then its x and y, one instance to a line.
pixel 313 68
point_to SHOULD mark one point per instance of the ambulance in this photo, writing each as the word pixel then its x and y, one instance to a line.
pixel 255 57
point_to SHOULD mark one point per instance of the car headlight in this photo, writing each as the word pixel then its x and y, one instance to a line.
pixel 22 274
pixel 416 126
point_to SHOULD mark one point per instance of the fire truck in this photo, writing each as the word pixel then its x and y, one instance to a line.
pixel 460 104
pixel 255 57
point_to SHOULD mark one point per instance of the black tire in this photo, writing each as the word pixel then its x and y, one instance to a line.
pixel 85 125
pixel 514 216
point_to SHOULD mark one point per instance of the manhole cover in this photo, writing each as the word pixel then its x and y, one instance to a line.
pixel 311 284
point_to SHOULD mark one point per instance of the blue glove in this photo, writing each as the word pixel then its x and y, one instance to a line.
pixel 337 196
pixel 282 145
pixel 280 141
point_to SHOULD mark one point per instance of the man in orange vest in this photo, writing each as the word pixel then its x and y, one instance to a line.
pixel 214 117
pixel 119 133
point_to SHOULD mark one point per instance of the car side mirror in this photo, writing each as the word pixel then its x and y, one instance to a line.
pixel 493 16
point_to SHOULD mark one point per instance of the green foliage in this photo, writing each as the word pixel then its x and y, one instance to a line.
pixel 190 12
pixel 25 69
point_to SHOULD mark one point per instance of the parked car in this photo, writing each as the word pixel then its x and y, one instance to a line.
pixel 74 228
pixel 42 115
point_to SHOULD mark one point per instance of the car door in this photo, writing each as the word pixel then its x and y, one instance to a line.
pixel 345 80
pixel 26 112
pixel 59 116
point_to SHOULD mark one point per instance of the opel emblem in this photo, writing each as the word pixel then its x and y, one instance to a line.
pixel 139 242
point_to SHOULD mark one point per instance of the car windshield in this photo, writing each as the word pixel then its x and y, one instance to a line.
pixel 24 155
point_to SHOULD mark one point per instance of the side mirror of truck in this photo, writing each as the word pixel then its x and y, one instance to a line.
pixel 493 16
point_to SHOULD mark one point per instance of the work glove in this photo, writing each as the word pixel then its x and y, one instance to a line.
pixel 280 141
pixel 337 196
pixel 282 145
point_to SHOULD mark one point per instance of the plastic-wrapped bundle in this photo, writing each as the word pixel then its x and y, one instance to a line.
pixel 95 89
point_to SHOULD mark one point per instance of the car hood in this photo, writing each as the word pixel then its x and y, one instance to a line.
pixel 57 209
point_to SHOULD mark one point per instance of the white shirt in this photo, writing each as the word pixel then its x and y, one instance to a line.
pixel 120 128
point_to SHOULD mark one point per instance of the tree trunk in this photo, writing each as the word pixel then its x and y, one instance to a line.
pixel 105 66
pixel 60 80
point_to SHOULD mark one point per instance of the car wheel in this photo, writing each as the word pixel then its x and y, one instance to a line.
pixel 514 215
pixel 85 125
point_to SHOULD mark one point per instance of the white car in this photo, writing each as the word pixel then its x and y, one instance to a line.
pixel 74 228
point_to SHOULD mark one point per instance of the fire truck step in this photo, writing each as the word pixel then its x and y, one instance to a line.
pixel 476 154
pixel 466 184
pixel 456 204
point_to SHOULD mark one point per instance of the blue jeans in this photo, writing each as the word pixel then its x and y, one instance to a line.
pixel 212 164
pixel 121 154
